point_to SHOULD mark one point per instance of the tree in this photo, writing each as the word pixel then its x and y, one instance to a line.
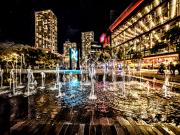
pixel 173 35
pixel 158 46
pixel 137 56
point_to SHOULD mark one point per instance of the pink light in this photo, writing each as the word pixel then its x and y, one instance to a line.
pixel 102 38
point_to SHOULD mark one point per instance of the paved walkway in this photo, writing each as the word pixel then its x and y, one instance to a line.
pixel 121 126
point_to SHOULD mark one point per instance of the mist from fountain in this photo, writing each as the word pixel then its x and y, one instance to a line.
pixel 32 83
pixel 12 81
pixel 60 94
pixel 81 80
pixel 92 95
pixel 104 77
pixel 20 86
pixel 43 76
pixel 64 77
pixel 166 87
pixel 1 74
pixel 57 79
pixel 123 82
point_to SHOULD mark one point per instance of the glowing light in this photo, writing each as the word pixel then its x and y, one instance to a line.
pixel 144 26
pixel 130 8
pixel 74 54
pixel 167 27
pixel 173 8
pixel 102 37
pixel 147 9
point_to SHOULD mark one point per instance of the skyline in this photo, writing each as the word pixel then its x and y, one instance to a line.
pixel 73 18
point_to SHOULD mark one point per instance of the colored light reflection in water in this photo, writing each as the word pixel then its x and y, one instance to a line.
pixel 71 71
pixel 74 95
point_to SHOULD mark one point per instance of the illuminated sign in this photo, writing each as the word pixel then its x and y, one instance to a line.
pixel 74 54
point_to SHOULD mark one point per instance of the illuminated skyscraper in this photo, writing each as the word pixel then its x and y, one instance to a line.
pixel 70 59
pixel 67 45
pixel 46 30
pixel 87 38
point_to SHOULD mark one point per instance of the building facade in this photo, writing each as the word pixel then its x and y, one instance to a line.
pixel 70 47
pixel 95 47
pixel 142 26
pixel 46 30
pixel 87 38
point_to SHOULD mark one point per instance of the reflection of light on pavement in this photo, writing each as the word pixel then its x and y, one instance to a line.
pixel 74 83
pixel 73 94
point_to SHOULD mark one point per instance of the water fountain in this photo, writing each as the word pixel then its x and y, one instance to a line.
pixel 128 74
pixel 104 77
pixel 64 77
pixel 70 77
pixel 123 82
pixel 16 70
pixel 1 76
pixel 31 83
pixel 81 80
pixel 12 81
pixel 57 79
pixel 20 86
pixel 148 87
pixel 70 96
pixel 42 81
pixel 92 95
pixel 60 94
pixel 166 87
pixel 140 79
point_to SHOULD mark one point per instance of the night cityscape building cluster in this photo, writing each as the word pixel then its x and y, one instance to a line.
pixel 121 79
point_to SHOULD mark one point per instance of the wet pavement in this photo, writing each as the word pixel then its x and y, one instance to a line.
pixel 138 112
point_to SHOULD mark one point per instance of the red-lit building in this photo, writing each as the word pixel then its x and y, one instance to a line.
pixel 141 26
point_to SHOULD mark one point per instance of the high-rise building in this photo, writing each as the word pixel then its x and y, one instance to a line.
pixel 70 47
pixel 87 38
pixel 142 28
pixel 67 45
pixel 46 30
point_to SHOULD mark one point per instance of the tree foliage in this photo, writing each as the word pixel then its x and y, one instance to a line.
pixel 32 56
pixel 173 35
pixel 158 46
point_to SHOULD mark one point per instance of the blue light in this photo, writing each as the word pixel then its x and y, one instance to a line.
pixel 74 83
pixel 71 71
pixel 74 54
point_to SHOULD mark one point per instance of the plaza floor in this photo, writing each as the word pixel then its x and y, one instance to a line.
pixel 140 111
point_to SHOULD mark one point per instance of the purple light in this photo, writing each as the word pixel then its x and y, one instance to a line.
pixel 102 37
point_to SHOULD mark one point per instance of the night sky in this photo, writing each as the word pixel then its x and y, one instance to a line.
pixel 74 17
